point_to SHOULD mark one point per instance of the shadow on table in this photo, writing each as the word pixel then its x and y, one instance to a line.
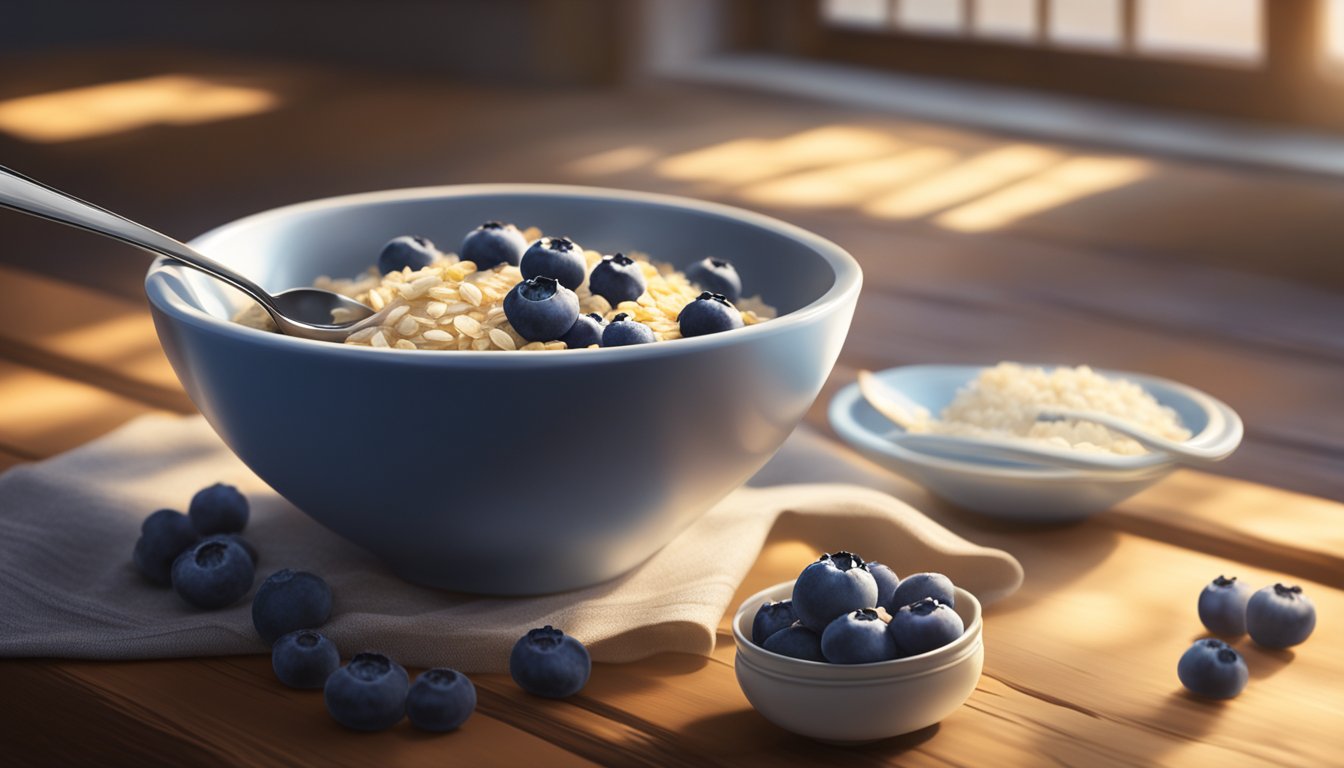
pixel 1145 738
pixel 745 732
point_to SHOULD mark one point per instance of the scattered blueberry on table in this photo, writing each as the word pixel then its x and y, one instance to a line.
pixel 213 574
pixel 238 539
pixel 547 662
pixel 924 625
pixel 709 313
pixel 585 332
pixel 860 637
pixel 288 600
pixel 219 508
pixel 1280 616
pixel 918 586
pixel 406 252
pixel 493 243
pixel 368 694
pixel 558 258
pixel 163 536
pixel 716 276
pixel 831 587
pixel 541 309
pixel 770 618
pixel 623 331
pixel 617 278
pixel 1222 606
pixel 304 659
pixel 440 700
pixel 1213 669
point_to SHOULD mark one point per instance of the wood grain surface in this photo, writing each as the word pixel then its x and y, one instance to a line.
pixel 1080 664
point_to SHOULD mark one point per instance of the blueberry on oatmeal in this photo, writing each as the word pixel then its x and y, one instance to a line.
pixel 555 257
pixel 540 309
pixel 716 276
pixel 585 332
pixel 406 252
pixel 494 243
pixel 624 331
pixel 709 313
pixel 617 278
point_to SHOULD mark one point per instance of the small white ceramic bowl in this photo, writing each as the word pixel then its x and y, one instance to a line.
pixel 1015 491
pixel 857 703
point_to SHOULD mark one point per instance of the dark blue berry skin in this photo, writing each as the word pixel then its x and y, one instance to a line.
pixel 304 659
pixel 617 278
pixel 218 509
pixel 556 257
pixel 709 313
pixel 240 541
pixel 1211 668
pixel 493 243
pixel 796 642
pixel 716 276
pixel 163 536
pixel 440 700
pixel 547 662
pixel 918 586
pixel 288 600
pixel 622 332
pixel 887 581
pixel 213 574
pixel 860 637
pixel 831 587
pixel 923 626
pixel 1222 606
pixel 1280 616
pixel 368 694
pixel 585 332
pixel 410 251
pixel 540 309
pixel 771 618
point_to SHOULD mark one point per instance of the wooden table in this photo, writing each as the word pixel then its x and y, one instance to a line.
pixel 1080 664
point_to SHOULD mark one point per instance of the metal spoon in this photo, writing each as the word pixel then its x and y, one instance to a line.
pixel 302 312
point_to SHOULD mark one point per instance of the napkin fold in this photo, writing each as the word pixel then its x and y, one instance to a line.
pixel 68 589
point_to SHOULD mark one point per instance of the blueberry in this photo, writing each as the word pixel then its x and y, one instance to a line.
pixel 918 586
pixel 304 659
pixel 771 618
pixel 585 332
pixel 407 251
pixel 213 574
pixel 218 509
pixel 924 625
pixel 547 662
pixel 617 278
pixel 493 243
pixel 556 257
pixel 368 694
pixel 709 313
pixel 288 600
pixel 1280 616
pixel 831 587
pixel 887 581
pixel 440 700
pixel 163 536
pixel 622 332
pixel 717 276
pixel 796 642
pixel 240 541
pixel 1222 606
pixel 1211 668
pixel 540 309
pixel 860 637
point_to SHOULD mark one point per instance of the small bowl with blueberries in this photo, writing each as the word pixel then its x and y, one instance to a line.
pixel 850 653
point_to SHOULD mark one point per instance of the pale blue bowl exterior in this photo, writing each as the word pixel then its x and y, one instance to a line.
pixel 497 472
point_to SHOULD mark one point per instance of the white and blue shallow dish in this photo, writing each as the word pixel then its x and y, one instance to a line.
pixel 1016 491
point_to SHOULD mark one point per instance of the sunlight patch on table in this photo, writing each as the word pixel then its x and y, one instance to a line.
pixel 849 184
pixel 967 180
pixel 620 160
pixel 742 161
pixel 1061 185
pixel 109 108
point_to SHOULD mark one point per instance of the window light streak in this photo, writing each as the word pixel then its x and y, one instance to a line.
pixel 1066 183
pixel 849 184
pixel 614 161
pixel 969 179
pixel 108 108
pixel 743 161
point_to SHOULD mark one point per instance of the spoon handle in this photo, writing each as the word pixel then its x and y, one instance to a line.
pixel 1186 453
pixel 26 195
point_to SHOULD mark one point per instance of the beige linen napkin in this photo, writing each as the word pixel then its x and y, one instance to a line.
pixel 67 587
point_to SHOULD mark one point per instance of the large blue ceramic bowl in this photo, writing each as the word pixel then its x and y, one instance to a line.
pixel 506 472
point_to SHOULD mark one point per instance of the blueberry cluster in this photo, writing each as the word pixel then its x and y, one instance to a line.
pixel 200 554
pixel 847 611
pixel 1276 617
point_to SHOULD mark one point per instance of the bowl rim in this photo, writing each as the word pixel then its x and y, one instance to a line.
pixel 848 279
pixel 919 665
pixel 1219 414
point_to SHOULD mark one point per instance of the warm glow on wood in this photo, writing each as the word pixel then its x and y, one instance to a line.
pixel 969 179
pixel 746 160
pixel 99 110
pixel 1070 181
pixel 850 184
